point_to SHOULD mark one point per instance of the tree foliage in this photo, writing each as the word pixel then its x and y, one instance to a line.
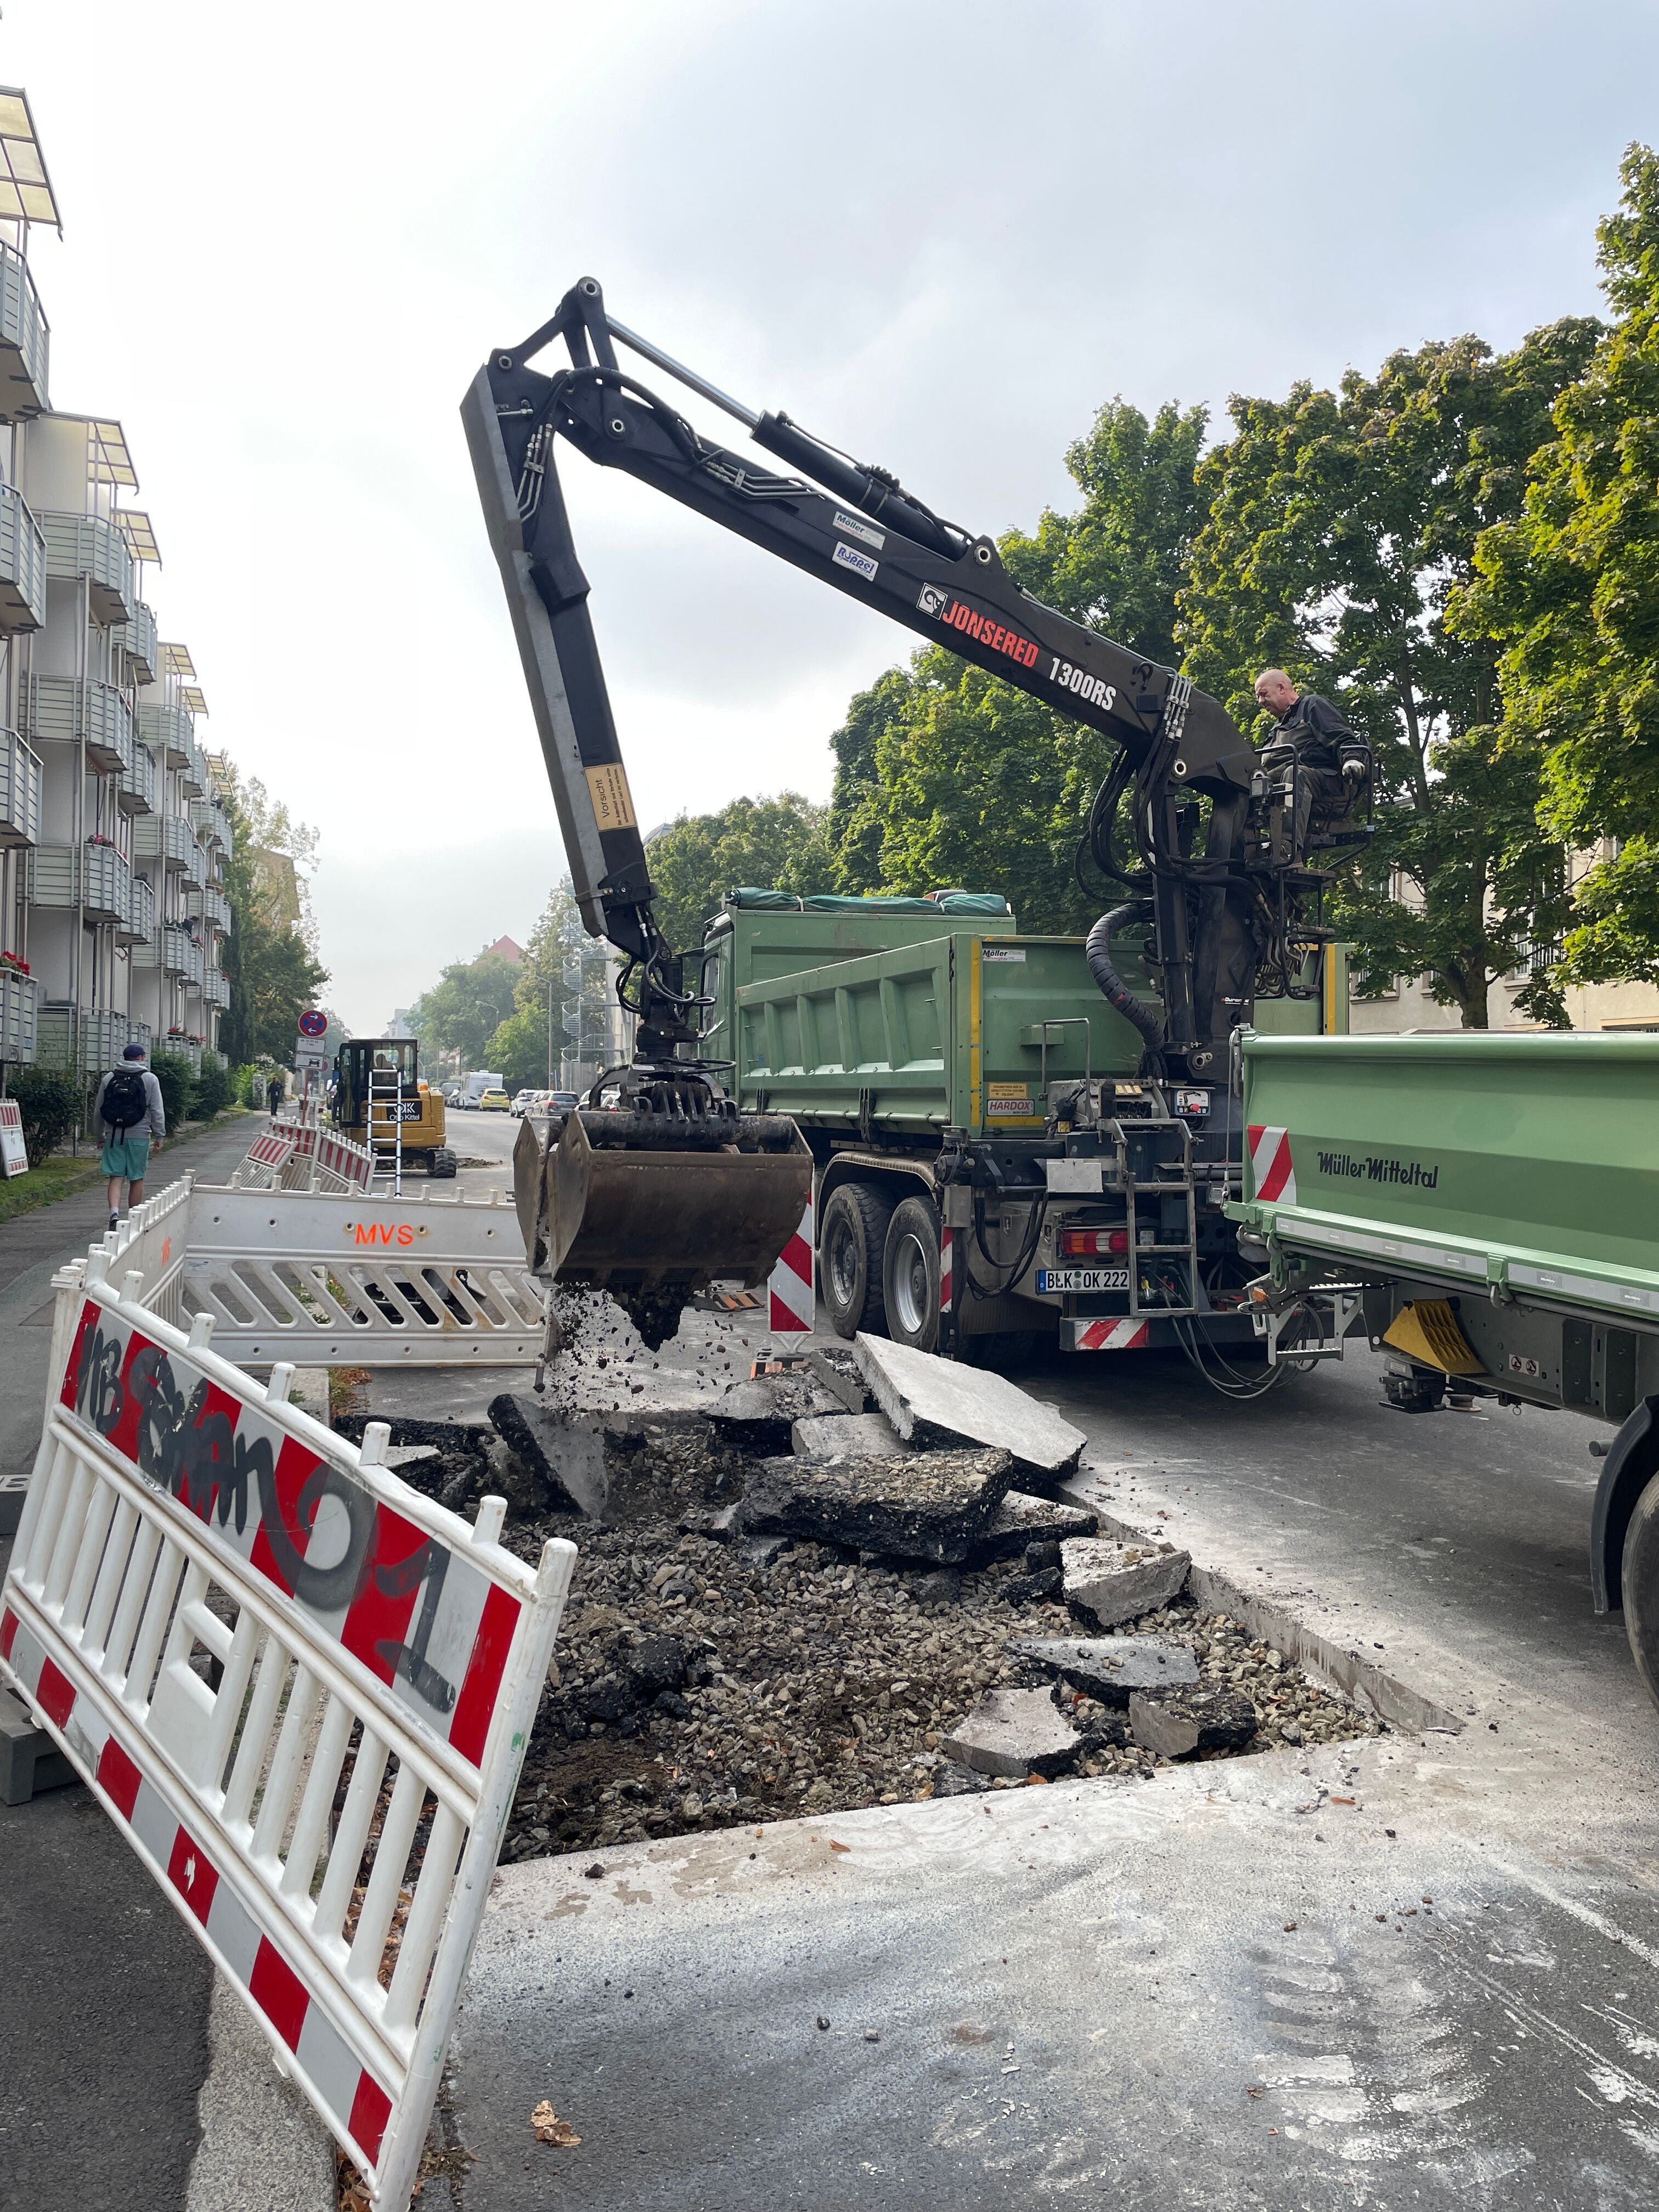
pixel 467 1005
pixel 947 776
pixel 778 844
pixel 269 965
pixel 1569 589
pixel 1339 526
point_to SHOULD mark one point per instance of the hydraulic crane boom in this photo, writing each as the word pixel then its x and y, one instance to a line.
pixel 1235 918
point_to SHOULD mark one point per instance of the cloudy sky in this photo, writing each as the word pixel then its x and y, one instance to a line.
pixel 939 233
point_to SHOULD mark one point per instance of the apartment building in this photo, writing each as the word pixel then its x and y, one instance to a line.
pixel 113 837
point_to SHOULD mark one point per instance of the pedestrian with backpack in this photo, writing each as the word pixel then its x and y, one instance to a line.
pixel 128 1112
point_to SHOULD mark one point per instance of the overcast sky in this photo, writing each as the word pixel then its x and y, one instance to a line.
pixel 938 233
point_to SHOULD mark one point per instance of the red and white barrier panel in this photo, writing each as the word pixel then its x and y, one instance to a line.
pixel 1111 1335
pixel 14 1155
pixel 1273 1175
pixel 335 1155
pixel 364 1650
pixel 791 1310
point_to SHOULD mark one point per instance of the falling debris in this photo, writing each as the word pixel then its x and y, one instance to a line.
pixel 549 2127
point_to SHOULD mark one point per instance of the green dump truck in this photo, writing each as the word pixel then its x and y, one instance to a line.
pixel 1483 1209
pixel 992 1169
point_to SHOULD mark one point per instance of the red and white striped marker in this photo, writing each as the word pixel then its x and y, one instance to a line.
pixel 947 1254
pixel 789 1303
pixel 1113 1335
pixel 1272 1175
pixel 359 2104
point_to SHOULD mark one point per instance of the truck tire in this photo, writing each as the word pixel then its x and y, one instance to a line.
pixel 909 1275
pixel 441 1162
pixel 1639 1586
pixel 851 1238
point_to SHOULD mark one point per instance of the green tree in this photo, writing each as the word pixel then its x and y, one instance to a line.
pixel 778 844
pixel 1569 589
pixel 270 962
pixel 464 1008
pixel 1340 526
pixel 945 775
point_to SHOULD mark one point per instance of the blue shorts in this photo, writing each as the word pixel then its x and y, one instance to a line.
pixel 127 1157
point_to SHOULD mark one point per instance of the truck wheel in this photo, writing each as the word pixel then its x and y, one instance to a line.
pixel 1639 1586
pixel 851 1238
pixel 443 1162
pixel 909 1275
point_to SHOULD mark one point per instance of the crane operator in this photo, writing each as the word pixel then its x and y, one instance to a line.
pixel 1313 739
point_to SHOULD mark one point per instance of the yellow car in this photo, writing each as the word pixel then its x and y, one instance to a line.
pixel 493 1101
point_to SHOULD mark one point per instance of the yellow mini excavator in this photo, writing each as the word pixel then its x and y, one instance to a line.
pixel 379 1100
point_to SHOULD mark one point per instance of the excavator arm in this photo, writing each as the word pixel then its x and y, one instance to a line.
pixel 1233 919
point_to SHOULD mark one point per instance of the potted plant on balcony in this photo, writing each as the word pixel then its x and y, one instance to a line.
pixel 10 965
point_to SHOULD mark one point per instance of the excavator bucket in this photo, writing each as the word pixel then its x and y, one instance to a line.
pixel 623 1202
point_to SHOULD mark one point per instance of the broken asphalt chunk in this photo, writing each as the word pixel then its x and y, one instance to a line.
pixel 1120 1582
pixel 936 1401
pixel 1022 1521
pixel 563 1451
pixel 1176 1724
pixel 1014 1732
pixel 1110 1667
pixel 847 1435
pixel 759 1414
pixel 930 1505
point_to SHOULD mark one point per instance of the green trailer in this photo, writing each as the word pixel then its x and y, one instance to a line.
pixel 990 1164
pixel 1484 1209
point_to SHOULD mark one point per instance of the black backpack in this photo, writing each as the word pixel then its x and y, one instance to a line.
pixel 125 1102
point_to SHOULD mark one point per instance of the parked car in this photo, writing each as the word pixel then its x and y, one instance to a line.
pixel 456 1097
pixel 561 1101
pixel 494 1101
pixel 523 1101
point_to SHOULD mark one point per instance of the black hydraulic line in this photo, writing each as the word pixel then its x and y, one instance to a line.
pixel 1116 992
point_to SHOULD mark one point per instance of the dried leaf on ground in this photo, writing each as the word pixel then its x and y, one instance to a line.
pixel 550 2128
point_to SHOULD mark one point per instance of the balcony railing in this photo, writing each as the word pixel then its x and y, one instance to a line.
pixel 196 864
pixel 168 729
pixel 97 1039
pixel 137 927
pixel 136 639
pixel 20 998
pixel 85 545
pixel 95 877
pixel 196 775
pixel 20 791
pixel 163 837
pixel 175 952
pixel 216 989
pixel 210 822
pixel 25 341
pixel 63 710
pixel 211 907
pixel 137 791
pixel 23 564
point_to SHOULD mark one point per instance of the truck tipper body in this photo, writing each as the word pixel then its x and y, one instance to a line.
pixel 1483 1209
pixel 989 1160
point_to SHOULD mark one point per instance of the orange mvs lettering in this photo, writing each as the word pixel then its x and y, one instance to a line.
pixel 405 1233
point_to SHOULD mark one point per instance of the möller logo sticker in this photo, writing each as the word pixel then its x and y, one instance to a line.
pixel 851 525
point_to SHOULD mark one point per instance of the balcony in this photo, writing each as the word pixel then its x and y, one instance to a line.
pixel 196 775
pixel 175 952
pixel 196 865
pixel 23 564
pixel 94 878
pixel 25 342
pixel 216 989
pixel 62 710
pixel 18 1019
pixel 137 791
pixel 170 730
pixel 165 838
pixel 210 822
pixel 97 1039
pixel 136 639
pixel 211 907
pixel 85 546
pixel 20 791
pixel 137 925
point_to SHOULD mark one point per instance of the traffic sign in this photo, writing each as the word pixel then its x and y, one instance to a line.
pixel 312 1024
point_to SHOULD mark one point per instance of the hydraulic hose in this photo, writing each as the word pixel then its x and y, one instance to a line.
pixel 1116 992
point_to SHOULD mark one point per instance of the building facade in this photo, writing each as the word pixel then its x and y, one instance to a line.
pixel 112 906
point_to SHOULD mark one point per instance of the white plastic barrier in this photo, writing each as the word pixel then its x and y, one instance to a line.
pixel 233 1623
pixel 362 1278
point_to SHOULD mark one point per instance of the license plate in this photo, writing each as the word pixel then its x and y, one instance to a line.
pixel 1083 1279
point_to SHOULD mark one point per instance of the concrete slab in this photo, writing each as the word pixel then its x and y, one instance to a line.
pixel 1109 1667
pixel 930 1505
pixel 564 1450
pixel 1176 1723
pixel 930 1401
pixel 1120 1581
pixel 1022 1519
pixel 847 1435
pixel 1015 1733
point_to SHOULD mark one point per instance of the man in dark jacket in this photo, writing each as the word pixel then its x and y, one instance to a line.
pixel 1333 764
pixel 127 1113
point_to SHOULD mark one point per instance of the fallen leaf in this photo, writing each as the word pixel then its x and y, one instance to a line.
pixel 1031 1778
pixel 1342 1801
pixel 550 2128
pixel 835 1846
pixel 1289 1927
pixel 1256 2088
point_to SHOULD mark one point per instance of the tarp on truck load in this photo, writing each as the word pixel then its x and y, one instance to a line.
pixel 1519 1161
pixel 962 902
